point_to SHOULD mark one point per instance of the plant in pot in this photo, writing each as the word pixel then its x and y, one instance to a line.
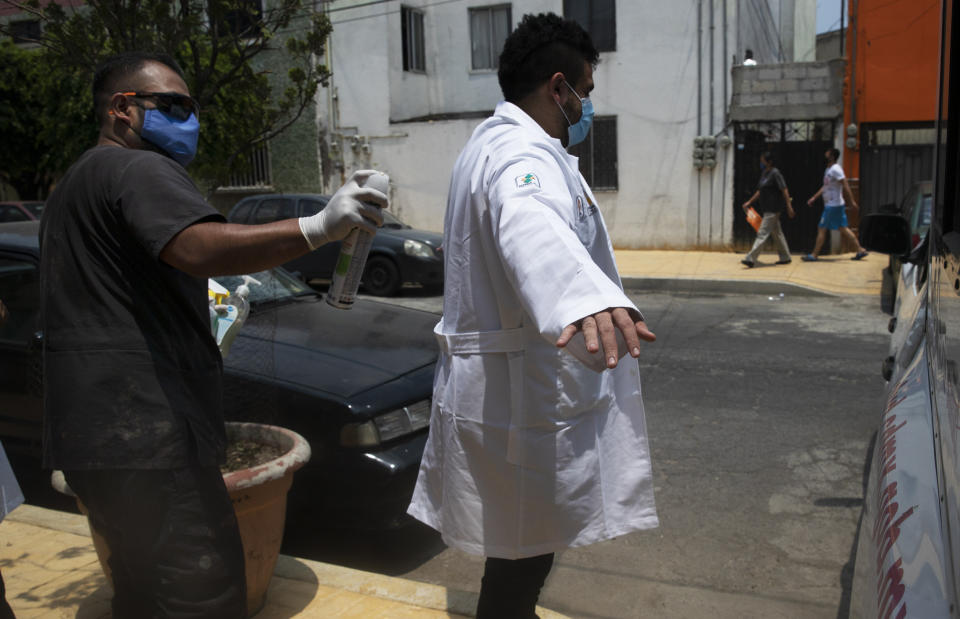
pixel 261 460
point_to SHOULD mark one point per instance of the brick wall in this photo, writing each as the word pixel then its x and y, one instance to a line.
pixel 790 91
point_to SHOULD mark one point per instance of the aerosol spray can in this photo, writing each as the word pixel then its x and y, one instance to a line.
pixel 353 255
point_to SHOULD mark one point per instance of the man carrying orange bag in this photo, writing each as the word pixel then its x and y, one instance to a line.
pixel 773 196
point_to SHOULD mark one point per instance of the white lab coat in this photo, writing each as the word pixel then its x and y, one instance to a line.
pixel 529 451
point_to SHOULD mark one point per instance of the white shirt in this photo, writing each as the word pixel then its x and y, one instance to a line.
pixel 833 186
pixel 749 62
pixel 529 450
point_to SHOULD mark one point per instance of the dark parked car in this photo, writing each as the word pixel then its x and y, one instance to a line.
pixel 355 383
pixel 399 254
pixel 20 210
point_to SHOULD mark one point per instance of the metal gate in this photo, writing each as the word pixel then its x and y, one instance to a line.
pixel 892 158
pixel 797 147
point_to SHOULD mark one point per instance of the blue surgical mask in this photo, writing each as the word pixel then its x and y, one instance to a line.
pixel 576 133
pixel 177 138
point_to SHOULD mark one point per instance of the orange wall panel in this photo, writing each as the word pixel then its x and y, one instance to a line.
pixel 894 56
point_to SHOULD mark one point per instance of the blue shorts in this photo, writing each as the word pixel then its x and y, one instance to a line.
pixel 834 217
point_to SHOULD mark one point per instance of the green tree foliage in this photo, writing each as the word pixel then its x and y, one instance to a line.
pixel 46 105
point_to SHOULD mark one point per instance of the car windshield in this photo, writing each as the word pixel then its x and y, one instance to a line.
pixel 275 285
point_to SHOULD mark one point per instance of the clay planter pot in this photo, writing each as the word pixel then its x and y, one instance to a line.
pixel 259 496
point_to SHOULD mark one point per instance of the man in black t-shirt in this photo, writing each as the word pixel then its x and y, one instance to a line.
pixel 132 374
pixel 773 196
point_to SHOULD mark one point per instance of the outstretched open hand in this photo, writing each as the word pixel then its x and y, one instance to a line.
pixel 600 329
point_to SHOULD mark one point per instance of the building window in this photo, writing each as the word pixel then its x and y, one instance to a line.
pixel 489 27
pixel 25 31
pixel 598 17
pixel 412 35
pixel 598 154
pixel 257 171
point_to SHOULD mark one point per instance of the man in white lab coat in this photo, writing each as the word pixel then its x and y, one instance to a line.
pixel 537 438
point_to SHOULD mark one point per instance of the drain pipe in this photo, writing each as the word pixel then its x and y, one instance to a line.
pixel 699 100
pixel 712 65
pixel 726 71
pixel 699 67
pixel 726 102
pixel 854 25
pixel 713 112
pixel 333 107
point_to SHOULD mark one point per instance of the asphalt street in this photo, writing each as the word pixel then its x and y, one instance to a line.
pixel 760 412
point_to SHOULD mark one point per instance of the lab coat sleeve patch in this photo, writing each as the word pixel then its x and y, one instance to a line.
pixel 528 180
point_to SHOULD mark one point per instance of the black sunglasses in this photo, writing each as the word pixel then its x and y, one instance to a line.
pixel 175 104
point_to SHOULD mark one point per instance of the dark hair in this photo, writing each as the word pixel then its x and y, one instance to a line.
pixel 748 53
pixel 541 46
pixel 768 157
pixel 835 153
pixel 117 72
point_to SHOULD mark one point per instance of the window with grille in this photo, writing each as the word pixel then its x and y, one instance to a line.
pixel 598 154
pixel 598 17
pixel 412 36
pixel 257 171
pixel 489 27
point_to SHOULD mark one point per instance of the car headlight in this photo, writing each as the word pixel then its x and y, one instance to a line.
pixel 387 426
pixel 417 249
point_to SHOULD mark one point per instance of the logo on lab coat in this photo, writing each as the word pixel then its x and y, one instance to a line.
pixel 527 180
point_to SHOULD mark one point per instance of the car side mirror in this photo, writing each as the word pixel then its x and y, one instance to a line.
pixel 885 233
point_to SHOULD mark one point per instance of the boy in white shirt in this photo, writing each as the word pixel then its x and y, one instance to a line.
pixel 834 210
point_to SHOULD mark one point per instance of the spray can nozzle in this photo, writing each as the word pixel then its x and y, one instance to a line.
pixel 243 290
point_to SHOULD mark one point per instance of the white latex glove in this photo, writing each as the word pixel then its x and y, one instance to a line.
pixel 355 205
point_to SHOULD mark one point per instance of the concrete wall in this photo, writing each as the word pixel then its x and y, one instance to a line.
pixel 828 45
pixel 795 91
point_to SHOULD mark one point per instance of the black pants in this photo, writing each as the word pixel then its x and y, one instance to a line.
pixel 510 587
pixel 175 549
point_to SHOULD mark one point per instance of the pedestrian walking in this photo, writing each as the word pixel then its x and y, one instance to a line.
pixel 834 209
pixel 537 437
pixel 773 197
pixel 132 374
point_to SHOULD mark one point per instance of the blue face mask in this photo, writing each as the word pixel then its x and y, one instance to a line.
pixel 177 138
pixel 576 133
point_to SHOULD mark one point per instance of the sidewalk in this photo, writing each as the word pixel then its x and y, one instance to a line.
pixel 50 570
pixel 693 271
